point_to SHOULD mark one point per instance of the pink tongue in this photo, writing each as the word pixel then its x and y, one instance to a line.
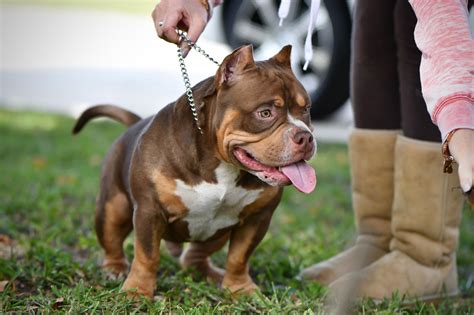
pixel 301 175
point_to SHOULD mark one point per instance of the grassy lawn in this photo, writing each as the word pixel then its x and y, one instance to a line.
pixel 135 6
pixel 48 184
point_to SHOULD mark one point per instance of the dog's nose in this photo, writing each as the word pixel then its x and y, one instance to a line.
pixel 302 138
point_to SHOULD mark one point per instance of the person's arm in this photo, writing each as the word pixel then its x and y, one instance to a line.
pixel 189 15
pixel 447 76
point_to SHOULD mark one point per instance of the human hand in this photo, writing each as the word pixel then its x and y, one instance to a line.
pixel 461 147
pixel 188 15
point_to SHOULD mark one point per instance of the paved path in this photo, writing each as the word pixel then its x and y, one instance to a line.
pixel 63 60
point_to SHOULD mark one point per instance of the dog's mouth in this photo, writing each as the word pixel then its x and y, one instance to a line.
pixel 300 174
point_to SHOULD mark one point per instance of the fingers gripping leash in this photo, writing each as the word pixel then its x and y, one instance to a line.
pixel 185 76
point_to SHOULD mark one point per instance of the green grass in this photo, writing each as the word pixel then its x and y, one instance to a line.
pixel 48 184
pixel 135 6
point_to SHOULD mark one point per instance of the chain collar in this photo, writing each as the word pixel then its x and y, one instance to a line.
pixel 185 76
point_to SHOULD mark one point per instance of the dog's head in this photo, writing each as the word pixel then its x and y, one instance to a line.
pixel 262 119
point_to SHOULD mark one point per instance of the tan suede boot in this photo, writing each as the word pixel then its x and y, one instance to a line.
pixel 371 154
pixel 425 226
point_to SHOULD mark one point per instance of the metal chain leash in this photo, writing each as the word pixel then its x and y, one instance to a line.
pixel 184 73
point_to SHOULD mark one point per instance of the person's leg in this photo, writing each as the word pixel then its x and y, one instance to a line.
pixel 416 121
pixel 374 92
pixel 426 210
pixel 374 77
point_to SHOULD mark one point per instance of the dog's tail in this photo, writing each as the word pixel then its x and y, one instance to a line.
pixel 116 113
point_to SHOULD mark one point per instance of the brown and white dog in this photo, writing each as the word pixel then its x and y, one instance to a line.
pixel 169 182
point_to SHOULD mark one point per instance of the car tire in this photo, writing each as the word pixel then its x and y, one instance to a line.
pixel 333 90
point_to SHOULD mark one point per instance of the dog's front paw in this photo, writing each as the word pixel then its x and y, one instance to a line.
pixel 136 289
pixel 116 268
pixel 237 287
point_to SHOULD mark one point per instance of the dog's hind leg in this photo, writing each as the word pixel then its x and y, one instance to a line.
pixel 113 222
pixel 197 256
pixel 175 249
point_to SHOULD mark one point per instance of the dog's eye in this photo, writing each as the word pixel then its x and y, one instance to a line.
pixel 306 109
pixel 266 113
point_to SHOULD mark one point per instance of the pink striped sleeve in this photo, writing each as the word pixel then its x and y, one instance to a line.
pixel 447 66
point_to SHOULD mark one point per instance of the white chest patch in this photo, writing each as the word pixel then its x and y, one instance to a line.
pixel 214 206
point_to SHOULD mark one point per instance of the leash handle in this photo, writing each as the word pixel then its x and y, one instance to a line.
pixel 185 76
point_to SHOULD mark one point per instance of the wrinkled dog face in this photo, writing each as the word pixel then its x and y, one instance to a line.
pixel 264 123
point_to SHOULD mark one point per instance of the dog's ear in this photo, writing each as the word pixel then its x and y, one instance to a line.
pixel 283 57
pixel 234 64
